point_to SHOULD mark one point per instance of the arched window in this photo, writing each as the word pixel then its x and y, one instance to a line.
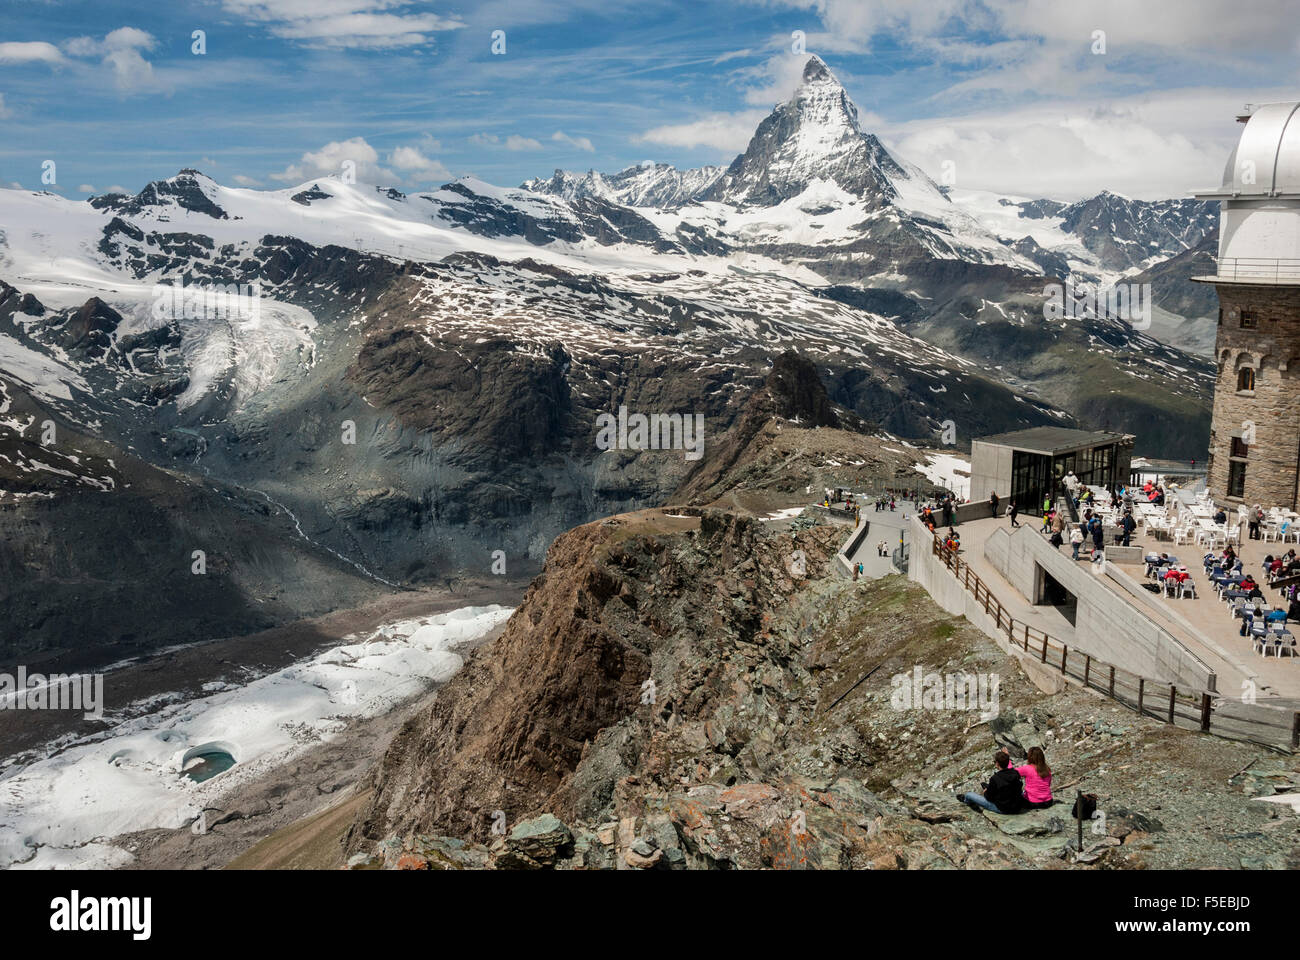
pixel 1246 378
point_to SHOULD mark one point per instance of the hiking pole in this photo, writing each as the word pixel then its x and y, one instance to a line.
pixel 1078 816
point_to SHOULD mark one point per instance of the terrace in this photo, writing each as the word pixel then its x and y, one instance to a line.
pixel 1195 616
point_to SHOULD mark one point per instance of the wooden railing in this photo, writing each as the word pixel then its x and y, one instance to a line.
pixel 1153 698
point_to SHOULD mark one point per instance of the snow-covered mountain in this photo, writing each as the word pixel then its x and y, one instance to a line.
pixel 1108 234
pixel 812 187
pixel 645 185
pixel 466 338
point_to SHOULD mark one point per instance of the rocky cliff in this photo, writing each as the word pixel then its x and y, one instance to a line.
pixel 677 695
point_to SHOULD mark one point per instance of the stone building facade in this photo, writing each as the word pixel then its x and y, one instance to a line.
pixel 1255 434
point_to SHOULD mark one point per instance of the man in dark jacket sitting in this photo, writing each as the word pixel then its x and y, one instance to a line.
pixel 1004 793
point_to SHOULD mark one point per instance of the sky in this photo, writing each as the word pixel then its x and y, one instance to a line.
pixel 1059 98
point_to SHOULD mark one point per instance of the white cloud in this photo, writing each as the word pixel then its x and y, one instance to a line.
pixel 1143 146
pixel 361 24
pixel 85 188
pixel 409 164
pixel 413 162
pixel 578 143
pixel 779 76
pixel 329 160
pixel 1226 25
pixel 1034 48
pixel 130 70
pixel 36 51
pixel 120 51
pixel 734 55
pixel 512 142
pixel 244 181
pixel 720 131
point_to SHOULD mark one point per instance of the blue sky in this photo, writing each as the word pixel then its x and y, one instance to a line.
pixel 1015 93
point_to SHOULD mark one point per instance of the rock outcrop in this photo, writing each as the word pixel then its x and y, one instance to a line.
pixel 672 696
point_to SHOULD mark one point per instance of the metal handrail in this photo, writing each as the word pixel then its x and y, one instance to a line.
pixel 1118 684
pixel 1258 268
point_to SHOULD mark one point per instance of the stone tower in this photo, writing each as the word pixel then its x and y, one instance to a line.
pixel 1255 434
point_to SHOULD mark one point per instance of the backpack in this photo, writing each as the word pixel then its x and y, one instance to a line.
pixel 1089 802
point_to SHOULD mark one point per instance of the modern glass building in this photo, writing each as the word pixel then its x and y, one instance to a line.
pixel 1027 465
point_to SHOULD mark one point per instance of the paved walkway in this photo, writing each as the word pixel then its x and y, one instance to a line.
pixel 888 527
pixel 884 525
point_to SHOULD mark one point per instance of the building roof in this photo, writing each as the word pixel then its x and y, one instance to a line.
pixel 1052 440
pixel 1266 160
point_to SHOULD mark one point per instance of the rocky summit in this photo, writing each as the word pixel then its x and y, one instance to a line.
pixel 672 699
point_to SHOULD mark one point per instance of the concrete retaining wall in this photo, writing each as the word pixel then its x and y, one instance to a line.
pixel 850 547
pixel 944 588
pixel 1109 623
pixel 977 510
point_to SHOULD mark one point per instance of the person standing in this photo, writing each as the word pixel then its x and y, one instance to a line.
pixel 1129 525
pixel 993 503
pixel 1076 539
pixel 1011 512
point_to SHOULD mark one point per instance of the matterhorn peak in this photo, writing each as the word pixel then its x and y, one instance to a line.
pixel 814 136
pixel 815 70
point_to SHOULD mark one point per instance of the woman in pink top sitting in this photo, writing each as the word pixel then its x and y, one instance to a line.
pixel 1038 778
